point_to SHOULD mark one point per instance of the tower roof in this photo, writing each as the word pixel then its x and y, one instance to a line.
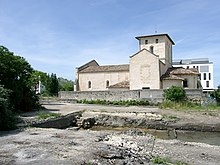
pixel 155 35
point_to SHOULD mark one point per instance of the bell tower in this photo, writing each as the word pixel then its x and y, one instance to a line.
pixel 158 44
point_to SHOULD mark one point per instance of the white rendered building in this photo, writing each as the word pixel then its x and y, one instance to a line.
pixel 205 68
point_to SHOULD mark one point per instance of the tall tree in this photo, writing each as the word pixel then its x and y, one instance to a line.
pixel 15 73
pixel 54 85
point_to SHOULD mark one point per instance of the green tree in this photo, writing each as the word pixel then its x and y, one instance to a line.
pixel 53 85
pixel 7 119
pixel 15 73
pixel 216 95
pixel 65 85
pixel 175 93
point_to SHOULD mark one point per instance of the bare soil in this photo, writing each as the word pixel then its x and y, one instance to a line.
pixel 133 146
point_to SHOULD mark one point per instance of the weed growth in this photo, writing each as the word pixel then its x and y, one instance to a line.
pixel 160 160
pixel 167 161
pixel 42 115
pixel 187 105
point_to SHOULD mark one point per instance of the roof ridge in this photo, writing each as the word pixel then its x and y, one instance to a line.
pixel 141 51
pixel 114 65
pixel 163 34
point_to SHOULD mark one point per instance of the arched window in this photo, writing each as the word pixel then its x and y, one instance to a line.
pixel 156 41
pixel 185 83
pixel 107 84
pixel 152 49
pixel 89 84
pixel 146 41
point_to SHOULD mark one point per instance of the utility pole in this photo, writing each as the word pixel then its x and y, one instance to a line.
pixel 39 87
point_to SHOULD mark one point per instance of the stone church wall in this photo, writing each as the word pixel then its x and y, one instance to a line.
pixel 155 95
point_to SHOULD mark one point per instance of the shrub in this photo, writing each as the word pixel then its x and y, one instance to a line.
pixel 174 93
pixel 7 119
pixel 216 95
pixel 121 102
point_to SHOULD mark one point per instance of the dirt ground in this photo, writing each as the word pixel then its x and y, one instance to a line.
pixel 73 146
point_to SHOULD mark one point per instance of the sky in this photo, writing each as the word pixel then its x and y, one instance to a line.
pixel 56 36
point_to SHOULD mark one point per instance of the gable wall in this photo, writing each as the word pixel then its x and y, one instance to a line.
pixel 144 71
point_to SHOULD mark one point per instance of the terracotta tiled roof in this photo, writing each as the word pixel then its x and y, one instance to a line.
pixel 123 84
pixel 172 77
pixel 107 68
pixel 174 73
pixel 182 71
pixel 90 63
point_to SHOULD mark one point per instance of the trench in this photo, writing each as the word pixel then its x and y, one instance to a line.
pixel 166 130
pixel 211 138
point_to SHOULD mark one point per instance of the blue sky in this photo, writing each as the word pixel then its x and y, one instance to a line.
pixel 56 36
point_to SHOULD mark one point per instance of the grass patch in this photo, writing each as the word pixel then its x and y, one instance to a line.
pixel 187 105
pixel 166 161
pixel 170 118
pixel 43 115
pixel 160 160
pixel 52 98
pixel 121 102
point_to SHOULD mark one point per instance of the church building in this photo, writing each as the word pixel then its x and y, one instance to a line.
pixel 149 68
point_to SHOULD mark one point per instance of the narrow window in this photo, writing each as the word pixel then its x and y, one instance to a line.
pixel 146 42
pixel 107 84
pixel 187 67
pixel 185 83
pixel 209 76
pixel 204 68
pixel 156 41
pixel 207 84
pixel 204 76
pixel 200 76
pixel 89 84
pixel 152 49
